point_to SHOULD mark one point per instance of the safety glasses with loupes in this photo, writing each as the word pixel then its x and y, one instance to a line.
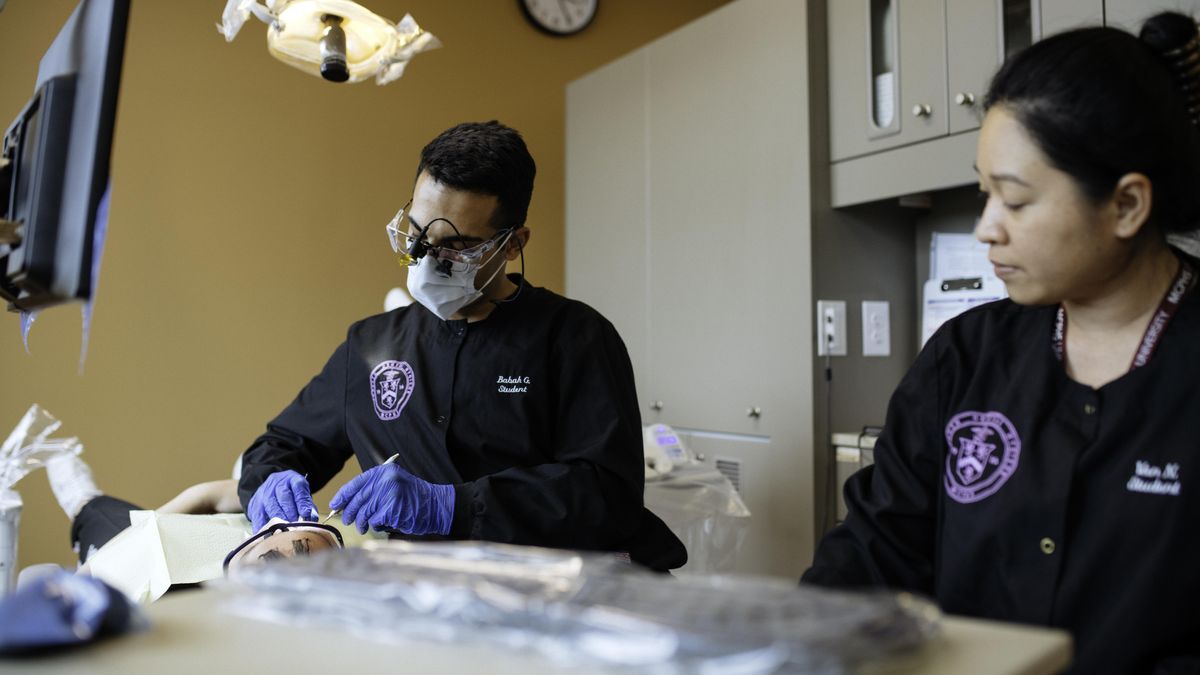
pixel 413 247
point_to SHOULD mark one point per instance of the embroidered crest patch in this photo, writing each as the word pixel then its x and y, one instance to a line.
pixel 984 451
pixel 391 385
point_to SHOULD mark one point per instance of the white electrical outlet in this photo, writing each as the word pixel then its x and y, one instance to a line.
pixel 876 328
pixel 831 327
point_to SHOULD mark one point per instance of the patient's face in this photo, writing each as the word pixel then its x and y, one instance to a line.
pixel 285 545
pixel 279 540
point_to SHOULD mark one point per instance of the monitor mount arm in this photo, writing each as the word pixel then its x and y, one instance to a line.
pixel 10 232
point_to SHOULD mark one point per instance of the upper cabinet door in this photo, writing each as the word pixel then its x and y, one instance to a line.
pixel 1129 14
pixel 973 44
pixel 887 74
pixel 980 35
pixel 1060 15
pixel 849 40
pixel 922 48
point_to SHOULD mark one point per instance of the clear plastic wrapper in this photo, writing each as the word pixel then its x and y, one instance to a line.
pixel 30 446
pixel 10 525
pixel 704 510
pixel 581 608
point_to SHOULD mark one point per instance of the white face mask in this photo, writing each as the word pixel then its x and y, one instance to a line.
pixel 445 296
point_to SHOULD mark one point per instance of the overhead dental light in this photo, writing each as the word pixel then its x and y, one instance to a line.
pixel 339 40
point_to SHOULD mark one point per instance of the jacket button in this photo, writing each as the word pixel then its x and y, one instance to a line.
pixel 439 419
pixel 1047 545
pixel 1089 409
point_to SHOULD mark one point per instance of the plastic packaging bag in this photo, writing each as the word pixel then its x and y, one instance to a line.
pixel 581 608
pixel 704 510
pixel 30 446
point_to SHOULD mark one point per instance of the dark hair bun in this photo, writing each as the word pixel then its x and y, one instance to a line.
pixel 1173 37
pixel 1168 32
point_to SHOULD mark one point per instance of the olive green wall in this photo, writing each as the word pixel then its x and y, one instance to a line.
pixel 246 228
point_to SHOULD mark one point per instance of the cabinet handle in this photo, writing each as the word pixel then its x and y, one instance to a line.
pixel 965 98
pixel 754 412
pixel 922 110
pixel 656 406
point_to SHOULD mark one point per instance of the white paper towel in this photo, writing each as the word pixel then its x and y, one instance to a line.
pixel 160 549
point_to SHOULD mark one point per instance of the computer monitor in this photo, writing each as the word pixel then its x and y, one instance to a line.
pixel 55 158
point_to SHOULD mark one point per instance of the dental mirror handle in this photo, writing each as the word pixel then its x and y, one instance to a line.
pixel 389 460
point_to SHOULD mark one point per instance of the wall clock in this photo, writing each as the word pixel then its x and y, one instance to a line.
pixel 560 17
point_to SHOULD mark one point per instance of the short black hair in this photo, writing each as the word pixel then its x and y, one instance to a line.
pixel 1101 103
pixel 485 158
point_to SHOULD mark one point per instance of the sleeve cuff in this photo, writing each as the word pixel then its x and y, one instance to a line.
pixel 463 522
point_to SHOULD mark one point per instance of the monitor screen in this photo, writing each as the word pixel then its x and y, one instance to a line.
pixel 56 161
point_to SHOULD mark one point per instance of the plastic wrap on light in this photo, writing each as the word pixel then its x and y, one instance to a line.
pixel 580 608
pixel 375 47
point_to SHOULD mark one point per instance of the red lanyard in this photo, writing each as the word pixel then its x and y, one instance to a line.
pixel 1185 278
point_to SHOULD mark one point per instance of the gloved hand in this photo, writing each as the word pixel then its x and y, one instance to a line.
pixel 387 496
pixel 284 494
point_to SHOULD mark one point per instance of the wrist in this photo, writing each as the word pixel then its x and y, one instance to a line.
pixel 443 512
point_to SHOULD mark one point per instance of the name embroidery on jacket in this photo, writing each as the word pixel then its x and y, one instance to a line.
pixel 391 386
pixel 517 384
pixel 984 452
pixel 1155 480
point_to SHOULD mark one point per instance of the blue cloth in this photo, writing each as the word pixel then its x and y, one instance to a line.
pixel 59 610
pixel 284 494
pixel 388 497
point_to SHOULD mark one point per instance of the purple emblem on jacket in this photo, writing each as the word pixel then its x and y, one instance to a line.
pixel 391 385
pixel 984 451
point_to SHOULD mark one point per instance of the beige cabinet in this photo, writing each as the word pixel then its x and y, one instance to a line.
pixel 907 80
pixel 728 221
pixel 887 74
pixel 606 249
pixel 688 225
pixel 906 71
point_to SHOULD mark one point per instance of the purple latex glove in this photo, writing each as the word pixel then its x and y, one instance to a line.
pixel 284 494
pixel 388 497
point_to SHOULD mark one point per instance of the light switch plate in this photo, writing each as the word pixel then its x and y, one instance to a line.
pixel 831 327
pixel 876 328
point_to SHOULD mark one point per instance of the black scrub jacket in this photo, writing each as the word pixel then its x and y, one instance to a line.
pixel 1006 490
pixel 531 414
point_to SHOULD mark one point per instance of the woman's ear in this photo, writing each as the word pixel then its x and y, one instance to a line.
pixel 1132 200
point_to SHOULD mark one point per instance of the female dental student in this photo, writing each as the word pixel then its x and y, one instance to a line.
pixel 1040 461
